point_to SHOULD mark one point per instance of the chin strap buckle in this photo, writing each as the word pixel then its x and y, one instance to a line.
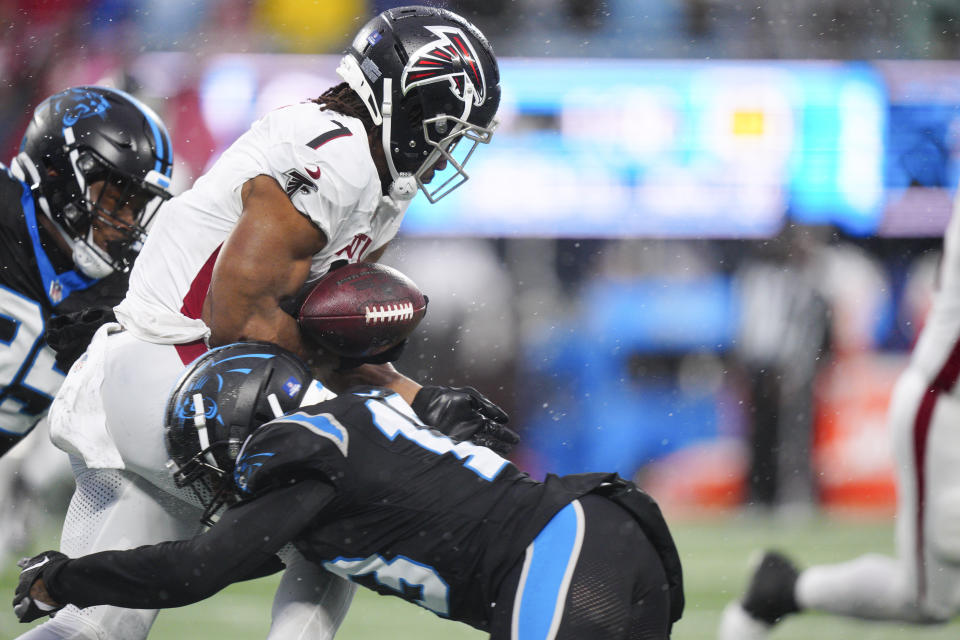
pixel 404 187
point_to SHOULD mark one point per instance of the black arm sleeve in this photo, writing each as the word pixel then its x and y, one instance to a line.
pixel 239 546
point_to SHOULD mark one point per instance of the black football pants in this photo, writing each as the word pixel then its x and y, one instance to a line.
pixel 591 574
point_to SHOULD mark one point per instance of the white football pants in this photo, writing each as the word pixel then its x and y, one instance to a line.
pixel 35 477
pixel 922 583
pixel 121 509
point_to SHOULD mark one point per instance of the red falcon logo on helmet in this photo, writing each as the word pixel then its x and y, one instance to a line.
pixel 450 57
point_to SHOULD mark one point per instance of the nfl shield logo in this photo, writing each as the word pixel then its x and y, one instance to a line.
pixel 56 292
pixel 292 387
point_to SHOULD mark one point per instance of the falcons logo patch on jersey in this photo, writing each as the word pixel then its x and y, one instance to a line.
pixel 449 58
pixel 297 182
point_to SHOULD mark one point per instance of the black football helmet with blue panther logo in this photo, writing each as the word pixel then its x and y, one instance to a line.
pixel 90 134
pixel 221 399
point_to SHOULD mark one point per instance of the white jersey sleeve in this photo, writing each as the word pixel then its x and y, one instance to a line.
pixel 322 161
pixel 324 165
pixel 321 184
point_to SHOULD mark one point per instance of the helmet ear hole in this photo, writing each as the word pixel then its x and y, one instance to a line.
pixel 86 163
pixel 413 107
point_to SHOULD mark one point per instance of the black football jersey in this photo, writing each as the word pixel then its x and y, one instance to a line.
pixel 415 514
pixel 37 280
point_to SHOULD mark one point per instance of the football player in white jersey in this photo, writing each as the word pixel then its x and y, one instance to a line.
pixel 921 584
pixel 309 184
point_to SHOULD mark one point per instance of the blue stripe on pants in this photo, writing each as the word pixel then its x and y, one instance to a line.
pixel 548 566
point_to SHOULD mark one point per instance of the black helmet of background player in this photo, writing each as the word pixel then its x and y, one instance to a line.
pixel 94 153
pixel 431 80
pixel 220 400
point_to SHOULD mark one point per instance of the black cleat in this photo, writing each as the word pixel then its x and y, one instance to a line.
pixel 770 593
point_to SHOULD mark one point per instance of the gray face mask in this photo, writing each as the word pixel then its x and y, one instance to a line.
pixel 90 259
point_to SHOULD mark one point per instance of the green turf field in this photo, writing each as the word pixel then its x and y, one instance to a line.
pixel 714 554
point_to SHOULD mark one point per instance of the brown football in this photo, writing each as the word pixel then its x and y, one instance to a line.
pixel 361 309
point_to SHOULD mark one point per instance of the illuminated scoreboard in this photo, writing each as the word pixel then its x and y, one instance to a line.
pixel 600 148
pixel 614 148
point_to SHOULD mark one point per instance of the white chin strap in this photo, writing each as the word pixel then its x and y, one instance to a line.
pixel 404 185
pixel 200 422
pixel 352 74
pixel 24 169
pixel 90 260
pixel 403 188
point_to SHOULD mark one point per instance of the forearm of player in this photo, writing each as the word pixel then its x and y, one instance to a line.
pixel 376 375
pixel 237 314
pixel 240 546
pixel 158 576
pixel 266 259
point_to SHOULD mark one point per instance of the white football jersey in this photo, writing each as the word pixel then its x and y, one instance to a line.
pixel 321 158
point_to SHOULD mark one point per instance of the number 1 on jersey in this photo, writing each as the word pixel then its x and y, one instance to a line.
pixel 482 461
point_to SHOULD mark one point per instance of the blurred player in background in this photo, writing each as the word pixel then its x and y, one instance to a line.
pixel 306 186
pixel 94 165
pixel 922 583
pixel 370 493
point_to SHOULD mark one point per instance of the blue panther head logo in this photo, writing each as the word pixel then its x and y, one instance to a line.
pixel 187 410
pixel 78 104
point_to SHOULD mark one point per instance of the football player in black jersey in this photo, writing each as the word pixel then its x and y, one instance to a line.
pixel 93 166
pixel 363 488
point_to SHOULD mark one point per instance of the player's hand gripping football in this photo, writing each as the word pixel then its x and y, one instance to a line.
pixel 31 600
pixel 463 413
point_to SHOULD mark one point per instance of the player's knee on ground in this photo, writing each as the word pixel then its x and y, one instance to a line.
pixel 942 601
pixel 944 533
pixel 936 608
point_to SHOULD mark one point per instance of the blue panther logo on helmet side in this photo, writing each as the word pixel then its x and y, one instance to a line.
pixel 78 104
pixel 187 410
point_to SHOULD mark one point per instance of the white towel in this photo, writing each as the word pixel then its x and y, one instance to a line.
pixel 78 422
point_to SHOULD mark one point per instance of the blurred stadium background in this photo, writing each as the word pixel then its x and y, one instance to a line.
pixel 697 251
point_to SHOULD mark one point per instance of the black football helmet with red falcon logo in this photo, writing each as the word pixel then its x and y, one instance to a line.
pixel 430 79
